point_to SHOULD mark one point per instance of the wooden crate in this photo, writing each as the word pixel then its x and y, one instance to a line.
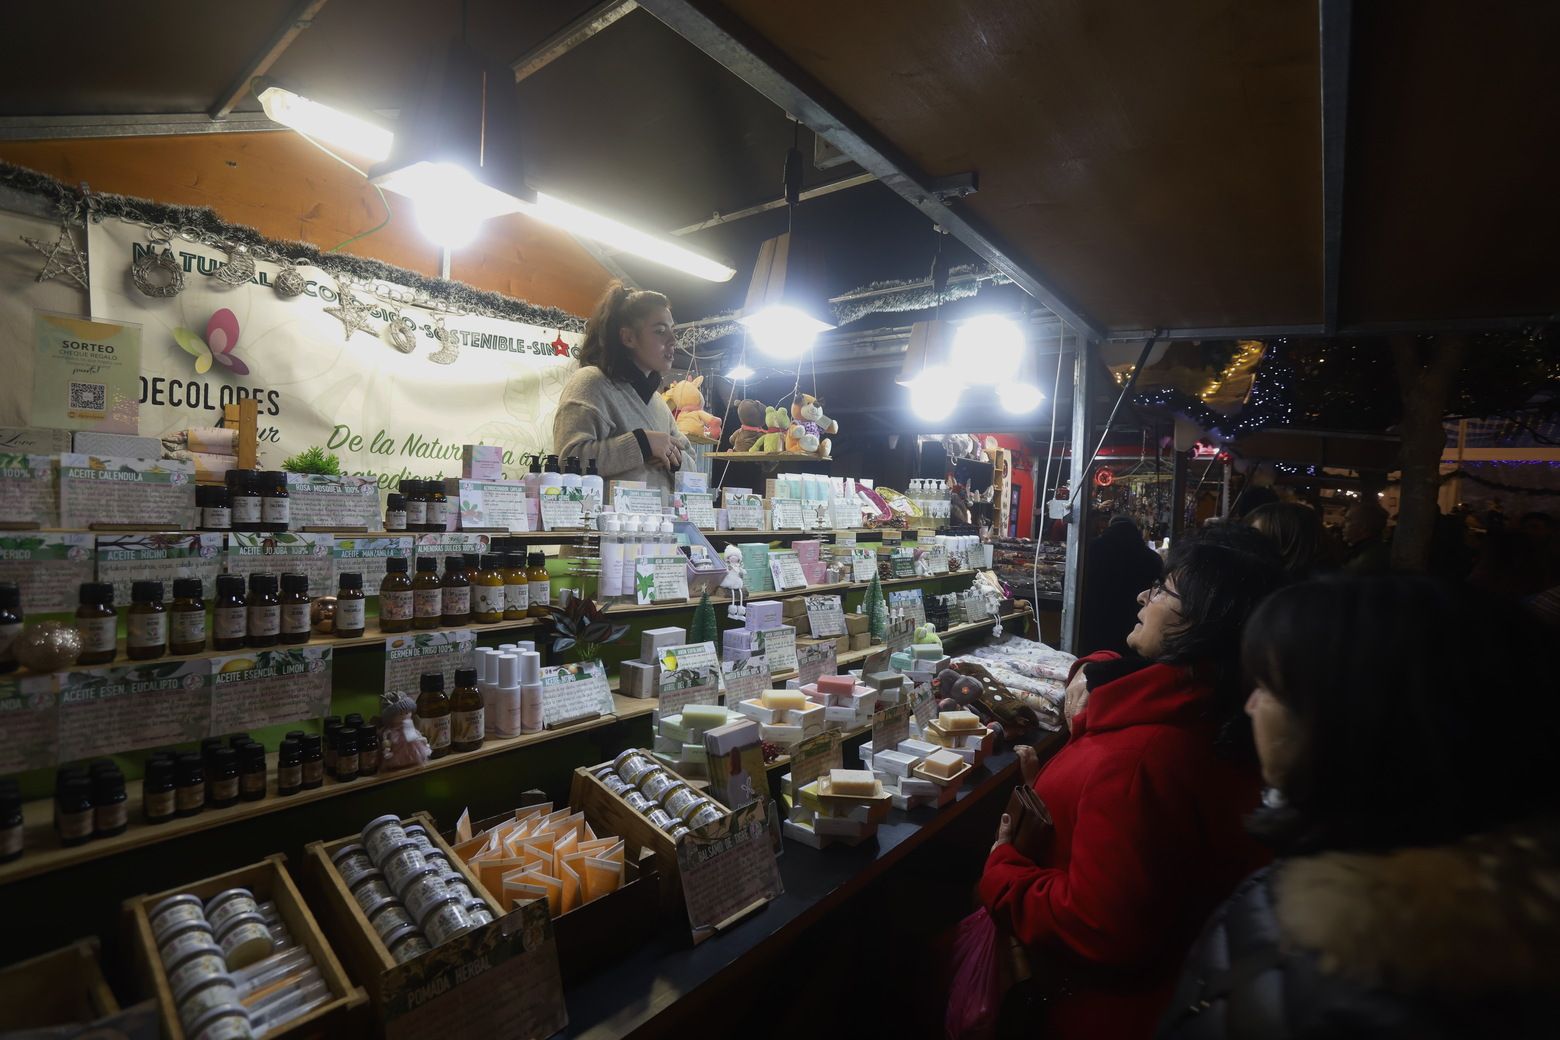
pixel 459 983
pixel 269 881
pixel 606 808
pixel 61 987
pixel 596 933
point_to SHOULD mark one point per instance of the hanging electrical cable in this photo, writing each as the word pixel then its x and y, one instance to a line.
pixel 1041 501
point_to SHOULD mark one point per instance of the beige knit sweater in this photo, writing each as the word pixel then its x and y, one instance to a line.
pixel 603 419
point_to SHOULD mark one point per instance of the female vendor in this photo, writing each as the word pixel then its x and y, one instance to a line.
pixel 610 410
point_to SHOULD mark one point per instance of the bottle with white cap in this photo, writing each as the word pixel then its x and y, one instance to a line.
pixel 487 676
pixel 505 710
pixel 530 692
pixel 610 585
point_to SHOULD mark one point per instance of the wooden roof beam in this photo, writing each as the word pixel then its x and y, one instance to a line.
pixel 758 63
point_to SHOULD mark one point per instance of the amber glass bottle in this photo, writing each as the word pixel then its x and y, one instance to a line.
pixel 98 623
pixel 487 588
pixel 351 607
pixel 540 584
pixel 230 622
pixel 438 505
pixel 187 618
pixel 433 714
pixel 517 589
pixel 455 605
pixel 395 597
pixel 427 603
pixel 466 715
pixel 295 608
pixel 264 610
pixel 146 622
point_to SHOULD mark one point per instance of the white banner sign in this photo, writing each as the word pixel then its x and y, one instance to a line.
pixel 315 379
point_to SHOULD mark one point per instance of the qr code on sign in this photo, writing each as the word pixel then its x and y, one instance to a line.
pixel 92 397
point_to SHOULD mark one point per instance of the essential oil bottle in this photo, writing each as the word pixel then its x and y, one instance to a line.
pixel 187 617
pixel 146 622
pixel 427 601
pixel 455 603
pixel 433 713
pixel 230 621
pixel 351 607
pixel 98 623
pixel 395 597
pixel 295 609
pixel 265 611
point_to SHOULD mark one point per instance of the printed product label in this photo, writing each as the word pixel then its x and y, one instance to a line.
pixel 265 620
pixel 146 629
pixel 75 825
pixel 436 731
pixel 490 599
pixel 416 512
pixel 10 840
pixel 191 797
pixel 276 510
pixel 541 592
pixel 97 634
pixel 457 600
pixel 111 817
pixel 395 606
pixel 350 615
pixel 230 622
pixel 395 520
pixel 427 602
pixel 517 597
pixel 189 626
pixel 218 518
pixel 466 726
pixel 158 804
pixel 438 512
pixel 295 617
pixel 245 510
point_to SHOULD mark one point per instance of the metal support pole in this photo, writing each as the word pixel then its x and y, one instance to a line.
pixel 1078 515
pixel 1178 497
pixel 444 262
pixel 1224 491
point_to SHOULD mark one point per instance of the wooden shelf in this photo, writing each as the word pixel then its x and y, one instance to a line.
pixel 631 609
pixel 44 854
pixel 523 537
pixel 368 638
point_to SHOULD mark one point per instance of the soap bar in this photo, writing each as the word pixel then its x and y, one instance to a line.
pixel 958 721
pixel 899 661
pixel 895 762
pixel 737 639
pixel 927 651
pixel 918 748
pixel 810 718
pixel 884 680
pixel 696 718
pixel 842 716
pixel 784 735
pixel 726 739
pixel 767 613
pixel 757 712
pixel 836 684
pixel 942 763
pixel 852 782
pixel 652 639
pixel 915 787
pixel 783 700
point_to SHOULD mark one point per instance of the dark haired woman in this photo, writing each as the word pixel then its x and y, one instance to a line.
pixel 1296 530
pixel 1147 798
pixel 611 410
pixel 1419 893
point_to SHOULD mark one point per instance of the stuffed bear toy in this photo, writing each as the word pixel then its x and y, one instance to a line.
pixel 805 434
pixel 957 692
pixel 687 404
pixel 775 422
pixel 751 415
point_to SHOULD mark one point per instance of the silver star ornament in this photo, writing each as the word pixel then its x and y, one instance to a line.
pixel 352 314
pixel 73 265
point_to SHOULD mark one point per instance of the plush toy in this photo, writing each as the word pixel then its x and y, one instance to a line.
pixel 808 425
pixel 686 401
pixel 956 692
pixel 926 633
pixel 751 415
pixel 735 583
pixel 775 422
pixel 404 747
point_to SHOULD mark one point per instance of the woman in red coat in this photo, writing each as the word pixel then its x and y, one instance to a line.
pixel 1147 797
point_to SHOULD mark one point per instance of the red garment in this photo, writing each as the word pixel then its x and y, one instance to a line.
pixel 1148 841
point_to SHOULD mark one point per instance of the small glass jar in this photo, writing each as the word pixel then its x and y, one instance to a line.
pixel 275 503
pixel 227 904
pixel 189 785
pixel 244 501
pixel 264 611
pixel 351 606
pixel 187 617
pixel 98 623
pixel 382 834
pixel 347 754
pixel 289 766
pixel 157 793
pixel 368 751
pixel 313 762
pixel 353 864
pixel 395 597
pixel 216 511
pixel 438 505
pixel 295 617
pixel 110 804
pixel 445 920
pixel 222 781
pixel 427 594
pixel 251 772
pixel 229 615
pixel 73 813
pixel 332 728
pixel 395 512
pixel 146 622
pixel 416 503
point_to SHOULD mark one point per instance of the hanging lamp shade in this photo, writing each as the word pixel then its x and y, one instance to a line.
pixel 786 307
pixel 458 156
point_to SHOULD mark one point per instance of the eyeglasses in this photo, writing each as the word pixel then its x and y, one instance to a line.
pixel 1160 588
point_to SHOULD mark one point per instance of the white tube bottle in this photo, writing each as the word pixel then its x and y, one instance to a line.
pixel 506 709
pixel 610 585
pixel 531 716
pixel 593 486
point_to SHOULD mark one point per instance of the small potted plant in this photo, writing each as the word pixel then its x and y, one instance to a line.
pixel 580 627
